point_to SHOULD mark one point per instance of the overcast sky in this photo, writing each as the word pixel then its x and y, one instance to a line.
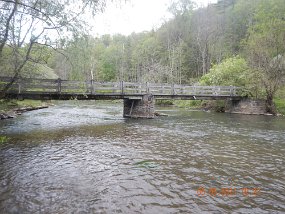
pixel 134 16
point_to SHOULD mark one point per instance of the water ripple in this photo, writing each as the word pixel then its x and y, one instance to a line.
pixel 86 159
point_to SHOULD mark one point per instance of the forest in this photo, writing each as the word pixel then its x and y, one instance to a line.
pixel 231 42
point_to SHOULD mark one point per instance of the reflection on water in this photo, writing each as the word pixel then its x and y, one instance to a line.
pixel 88 159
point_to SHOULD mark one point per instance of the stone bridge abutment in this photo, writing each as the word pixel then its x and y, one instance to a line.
pixel 141 107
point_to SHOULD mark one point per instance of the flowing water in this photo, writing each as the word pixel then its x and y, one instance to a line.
pixel 85 158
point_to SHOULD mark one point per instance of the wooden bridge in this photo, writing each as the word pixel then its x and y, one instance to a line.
pixel 134 94
pixel 84 90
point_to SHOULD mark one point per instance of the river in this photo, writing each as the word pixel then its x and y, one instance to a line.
pixel 84 157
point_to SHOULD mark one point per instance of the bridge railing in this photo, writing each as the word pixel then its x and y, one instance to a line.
pixel 27 85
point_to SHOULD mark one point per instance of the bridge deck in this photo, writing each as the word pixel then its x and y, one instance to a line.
pixel 83 90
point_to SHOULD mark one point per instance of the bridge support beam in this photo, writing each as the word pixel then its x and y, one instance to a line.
pixel 139 108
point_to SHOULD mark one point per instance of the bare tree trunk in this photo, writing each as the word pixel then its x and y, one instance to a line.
pixel 180 65
pixel 270 107
pixel 204 63
pixel 17 71
pixel 7 26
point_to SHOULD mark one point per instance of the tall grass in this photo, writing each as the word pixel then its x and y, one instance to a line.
pixel 3 139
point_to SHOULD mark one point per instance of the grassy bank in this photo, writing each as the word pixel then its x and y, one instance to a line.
pixel 279 101
pixel 164 102
pixel 193 104
pixel 280 105
pixel 212 105
pixel 8 105
pixel 3 139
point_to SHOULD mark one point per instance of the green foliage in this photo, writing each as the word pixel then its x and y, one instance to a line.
pixel 281 93
pixel 6 105
pixel 110 59
pixel 238 19
pixel 3 139
pixel 213 105
pixel 188 103
pixel 232 71
pixel 182 48
pixel 28 30
pixel 280 105
pixel 265 48
pixel 279 101
pixel 164 102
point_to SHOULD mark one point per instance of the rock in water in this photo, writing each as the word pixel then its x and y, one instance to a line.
pixel 159 114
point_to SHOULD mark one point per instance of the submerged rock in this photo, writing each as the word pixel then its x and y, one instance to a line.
pixel 159 114
pixel 3 116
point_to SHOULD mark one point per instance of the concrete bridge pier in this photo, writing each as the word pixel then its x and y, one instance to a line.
pixel 141 107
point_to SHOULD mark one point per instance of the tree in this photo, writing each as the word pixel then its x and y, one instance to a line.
pixel 205 32
pixel 239 19
pixel 147 54
pixel 173 37
pixel 265 48
pixel 27 26
pixel 232 71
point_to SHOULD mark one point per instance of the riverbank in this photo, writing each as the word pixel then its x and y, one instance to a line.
pixel 216 105
pixel 209 105
pixel 12 108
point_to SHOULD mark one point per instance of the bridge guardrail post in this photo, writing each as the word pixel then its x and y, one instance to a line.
pixel 122 87
pixel 140 88
pixel 218 91
pixel 172 89
pixel 214 90
pixel 59 85
pixel 92 87
pixel 147 87
pixel 234 91
pixel 19 86
pixel 231 90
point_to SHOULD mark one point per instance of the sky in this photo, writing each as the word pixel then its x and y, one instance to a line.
pixel 134 16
